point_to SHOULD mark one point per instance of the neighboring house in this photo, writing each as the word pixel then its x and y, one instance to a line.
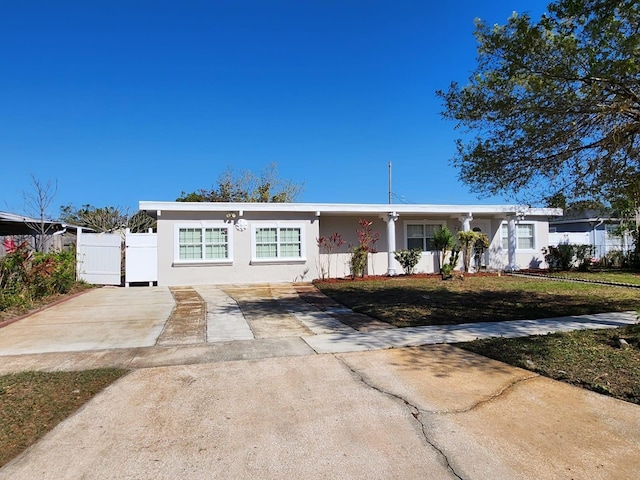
pixel 201 243
pixel 22 228
pixel 590 227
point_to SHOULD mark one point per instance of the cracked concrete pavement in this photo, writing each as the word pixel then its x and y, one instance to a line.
pixel 272 408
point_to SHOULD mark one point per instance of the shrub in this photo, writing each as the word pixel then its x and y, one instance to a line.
pixel 367 239
pixel 358 261
pixel 584 254
pixel 408 259
pixel 26 276
pixel 565 256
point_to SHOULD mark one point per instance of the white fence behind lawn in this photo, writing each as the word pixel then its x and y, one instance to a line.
pixel 569 238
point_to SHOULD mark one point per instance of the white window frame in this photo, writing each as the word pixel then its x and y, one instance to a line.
pixel 504 236
pixel 278 259
pixel 202 226
pixel 440 223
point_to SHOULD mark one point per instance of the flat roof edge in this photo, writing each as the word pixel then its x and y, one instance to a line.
pixel 347 208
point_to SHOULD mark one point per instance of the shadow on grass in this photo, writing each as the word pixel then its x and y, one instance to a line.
pixel 410 305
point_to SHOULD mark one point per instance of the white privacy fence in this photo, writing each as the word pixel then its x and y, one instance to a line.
pixel 99 258
pixel 569 238
pixel 111 258
pixel 603 244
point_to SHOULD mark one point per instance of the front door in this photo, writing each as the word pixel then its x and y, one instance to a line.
pixel 481 257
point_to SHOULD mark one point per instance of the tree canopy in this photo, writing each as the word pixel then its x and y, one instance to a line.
pixel 247 186
pixel 106 219
pixel 553 105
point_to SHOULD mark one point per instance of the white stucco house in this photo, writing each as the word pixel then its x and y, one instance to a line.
pixel 200 243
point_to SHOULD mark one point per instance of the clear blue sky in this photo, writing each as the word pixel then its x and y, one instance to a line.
pixel 122 101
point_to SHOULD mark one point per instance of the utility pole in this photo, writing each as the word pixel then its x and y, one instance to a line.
pixel 390 192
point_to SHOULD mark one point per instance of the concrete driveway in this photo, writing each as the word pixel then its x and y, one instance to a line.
pixel 432 412
pixel 99 319
pixel 223 409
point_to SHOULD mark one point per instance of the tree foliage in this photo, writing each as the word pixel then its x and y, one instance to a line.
pixel 106 219
pixel 554 104
pixel 247 186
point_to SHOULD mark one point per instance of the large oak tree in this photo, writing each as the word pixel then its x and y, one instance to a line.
pixel 554 104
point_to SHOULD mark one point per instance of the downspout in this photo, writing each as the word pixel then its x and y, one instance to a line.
pixel 595 229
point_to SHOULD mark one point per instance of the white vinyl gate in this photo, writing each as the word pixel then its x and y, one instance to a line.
pixel 99 258
pixel 141 253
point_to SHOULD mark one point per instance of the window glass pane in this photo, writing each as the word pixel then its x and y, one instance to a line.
pixel 266 251
pixel 190 252
pixel 266 235
pixel 415 243
pixel 525 236
pixel 216 235
pixel 429 230
pixel 290 250
pixel 192 247
pixel 415 231
pixel 289 234
pixel 525 230
pixel 278 242
pixel 216 251
pixel 190 235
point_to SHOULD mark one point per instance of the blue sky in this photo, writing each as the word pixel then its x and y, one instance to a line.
pixel 121 101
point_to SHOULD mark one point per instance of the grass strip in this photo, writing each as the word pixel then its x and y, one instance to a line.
pixel 33 403
pixel 591 359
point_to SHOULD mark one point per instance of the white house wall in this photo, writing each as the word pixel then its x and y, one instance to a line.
pixel 241 270
pixel 315 224
pixel 497 257
pixel 347 226
pixel 525 259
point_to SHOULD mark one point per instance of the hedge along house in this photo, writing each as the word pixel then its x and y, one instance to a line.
pixel 216 243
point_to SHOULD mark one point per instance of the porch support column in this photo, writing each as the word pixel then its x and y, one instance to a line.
pixel 466 222
pixel 391 243
pixel 512 243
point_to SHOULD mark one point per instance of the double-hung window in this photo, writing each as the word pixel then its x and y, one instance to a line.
pixel 202 243
pixel 525 236
pixel 420 235
pixel 278 242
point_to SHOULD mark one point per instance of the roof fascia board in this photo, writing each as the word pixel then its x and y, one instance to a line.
pixel 324 208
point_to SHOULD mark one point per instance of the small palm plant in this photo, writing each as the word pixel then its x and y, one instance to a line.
pixel 443 241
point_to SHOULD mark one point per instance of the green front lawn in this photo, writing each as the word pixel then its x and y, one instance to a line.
pixel 408 302
pixel 632 278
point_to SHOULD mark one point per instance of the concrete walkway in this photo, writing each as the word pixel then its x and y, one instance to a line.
pixel 272 408
pixel 466 332
pixel 147 327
